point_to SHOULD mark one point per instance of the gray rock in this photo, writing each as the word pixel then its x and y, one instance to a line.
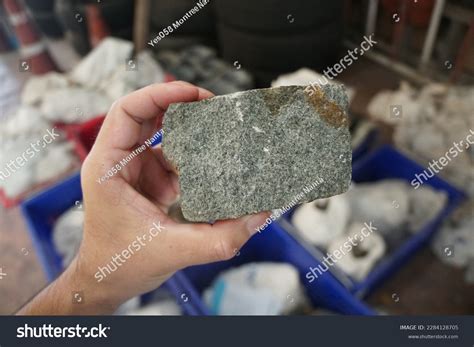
pixel 258 150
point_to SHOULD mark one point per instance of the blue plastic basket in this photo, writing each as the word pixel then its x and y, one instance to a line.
pixel 41 212
pixel 388 163
pixel 274 244
pixel 364 148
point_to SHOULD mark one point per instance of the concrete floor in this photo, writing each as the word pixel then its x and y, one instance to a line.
pixel 424 286
pixel 19 261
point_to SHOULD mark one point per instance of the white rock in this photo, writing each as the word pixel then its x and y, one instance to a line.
pixel 321 221
pixel 454 243
pixel 160 308
pixel 37 87
pixel 123 82
pixel 304 77
pixel 67 234
pixel 26 121
pixel 18 183
pixel 426 203
pixel 301 77
pixel 256 289
pixel 128 306
pixel 358 262
pixel 102 62
pixel 385 203
pixel 57 158
pixel 432 119
pixel 16 178
pixel 74 104
pixel 380 105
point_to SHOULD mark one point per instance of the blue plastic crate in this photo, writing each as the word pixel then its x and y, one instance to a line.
pixel 388 163
pixel 364 148
pixel 275 245
pixel 41 212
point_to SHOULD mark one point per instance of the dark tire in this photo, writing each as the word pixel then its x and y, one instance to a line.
pixel 118 14
pixel 278 16
pixel 264 79
pixel 49 24
pixel 165 13
pixel 40 5
pixel 315 49
pixel 75 27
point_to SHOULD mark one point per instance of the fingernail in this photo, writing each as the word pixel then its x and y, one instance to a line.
pixel 257 221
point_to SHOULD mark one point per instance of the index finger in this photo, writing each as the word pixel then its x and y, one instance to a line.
pixel 133 118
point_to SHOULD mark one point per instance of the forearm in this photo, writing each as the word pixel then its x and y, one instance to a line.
pixel 75 292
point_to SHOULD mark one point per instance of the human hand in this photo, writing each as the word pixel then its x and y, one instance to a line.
pixel 130 244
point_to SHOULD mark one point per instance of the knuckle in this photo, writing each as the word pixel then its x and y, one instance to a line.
pixel 224 250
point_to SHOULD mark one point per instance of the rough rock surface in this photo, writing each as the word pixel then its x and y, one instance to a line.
pixel 256 150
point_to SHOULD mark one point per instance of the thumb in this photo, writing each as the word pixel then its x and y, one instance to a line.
pixel 220 241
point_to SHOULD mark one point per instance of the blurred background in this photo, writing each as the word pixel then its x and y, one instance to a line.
pixel 411 89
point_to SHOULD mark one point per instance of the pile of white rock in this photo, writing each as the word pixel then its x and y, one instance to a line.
pixel 32 151
pixel 427 122
pixel 106 74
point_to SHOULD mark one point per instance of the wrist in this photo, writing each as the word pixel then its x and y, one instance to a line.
pixel 88 296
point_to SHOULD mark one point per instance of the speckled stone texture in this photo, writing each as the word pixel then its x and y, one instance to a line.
pixel 257 150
